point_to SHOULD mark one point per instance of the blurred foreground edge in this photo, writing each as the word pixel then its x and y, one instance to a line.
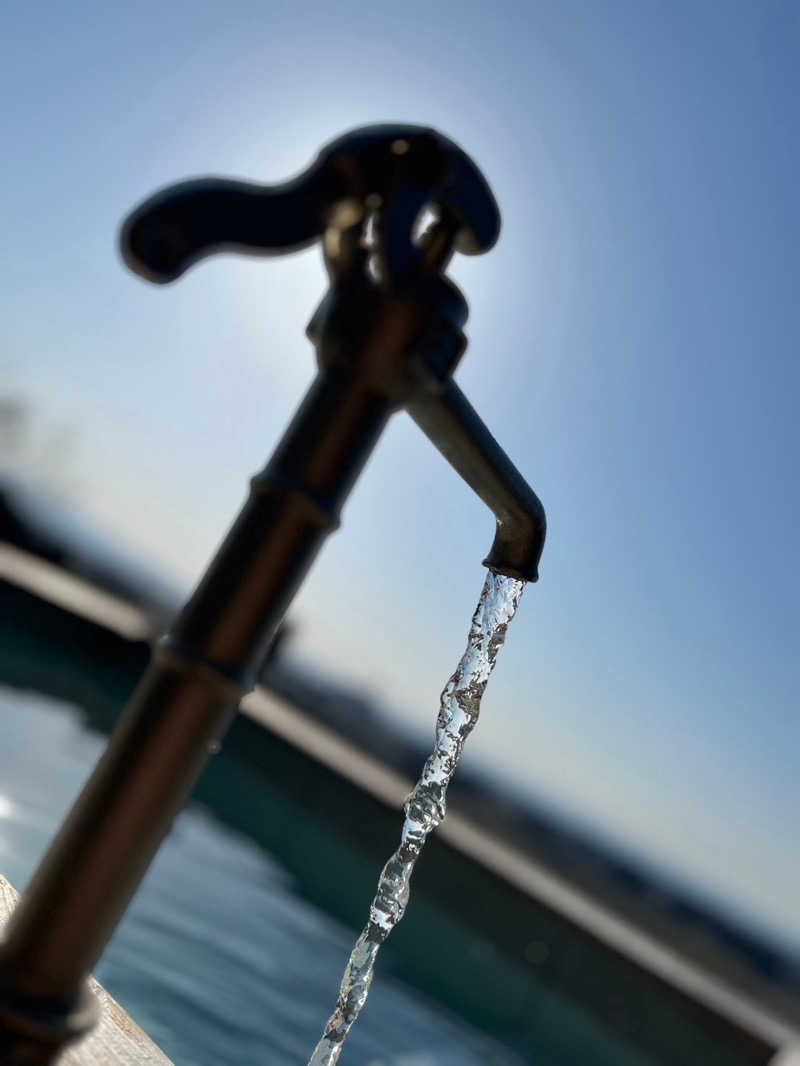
pixel 116 1040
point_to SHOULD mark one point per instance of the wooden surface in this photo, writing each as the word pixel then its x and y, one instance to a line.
pixel 116 1040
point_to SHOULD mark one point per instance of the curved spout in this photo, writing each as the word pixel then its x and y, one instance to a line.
pixel 451 422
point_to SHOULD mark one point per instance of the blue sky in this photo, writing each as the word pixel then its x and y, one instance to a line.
pixel 633 345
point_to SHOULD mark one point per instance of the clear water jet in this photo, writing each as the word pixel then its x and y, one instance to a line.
pixel 426 805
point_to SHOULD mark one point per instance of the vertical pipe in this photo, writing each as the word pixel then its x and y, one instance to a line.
pixel 180 710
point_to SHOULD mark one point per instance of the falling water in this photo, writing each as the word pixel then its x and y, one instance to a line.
pixel 425 806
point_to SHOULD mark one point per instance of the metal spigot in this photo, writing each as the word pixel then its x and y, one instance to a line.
pixel 388 335
pixel 385 175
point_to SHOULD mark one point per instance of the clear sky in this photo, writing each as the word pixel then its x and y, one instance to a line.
pixel 633 345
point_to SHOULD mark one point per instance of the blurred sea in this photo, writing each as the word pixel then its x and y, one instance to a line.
pixel 219 959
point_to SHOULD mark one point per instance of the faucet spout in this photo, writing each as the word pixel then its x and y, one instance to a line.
pixel 450 421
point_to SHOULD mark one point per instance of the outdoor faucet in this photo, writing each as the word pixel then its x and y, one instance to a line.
pixel 388 335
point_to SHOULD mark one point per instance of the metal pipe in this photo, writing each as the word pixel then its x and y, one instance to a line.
pixel 178 715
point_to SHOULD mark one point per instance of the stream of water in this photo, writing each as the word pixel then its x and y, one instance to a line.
pixel 426 805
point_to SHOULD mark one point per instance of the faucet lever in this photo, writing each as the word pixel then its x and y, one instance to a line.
pixel 185 222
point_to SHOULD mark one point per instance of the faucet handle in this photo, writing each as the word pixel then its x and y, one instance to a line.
pixel 392 170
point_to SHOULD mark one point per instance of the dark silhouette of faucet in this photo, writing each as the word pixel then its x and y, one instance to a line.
pixel 388 335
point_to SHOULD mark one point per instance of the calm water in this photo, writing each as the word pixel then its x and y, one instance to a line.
pixel 219 959
pixel 426 805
